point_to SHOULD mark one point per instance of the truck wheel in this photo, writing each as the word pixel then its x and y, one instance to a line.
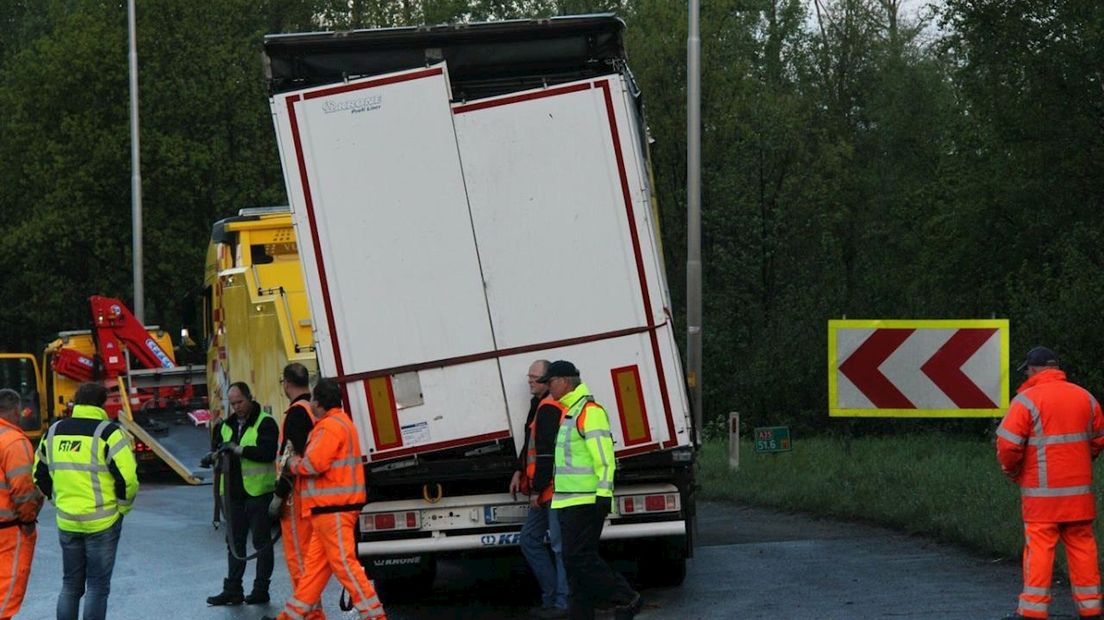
pixel 661 572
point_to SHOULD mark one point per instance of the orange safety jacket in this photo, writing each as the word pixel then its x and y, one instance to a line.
pixel 332 466
pixel 531 453
pixel 1046 443
pixel 20 500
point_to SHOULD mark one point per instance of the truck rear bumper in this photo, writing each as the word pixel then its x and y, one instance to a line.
pixel 476 542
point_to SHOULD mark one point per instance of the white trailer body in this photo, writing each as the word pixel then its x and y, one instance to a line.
pixel 453 245
pixel 446 246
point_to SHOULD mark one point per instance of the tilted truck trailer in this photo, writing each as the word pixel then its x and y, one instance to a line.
pixel 470 199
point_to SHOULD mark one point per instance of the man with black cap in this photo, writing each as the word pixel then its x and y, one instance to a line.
pixel 1045 444
pixel 583 497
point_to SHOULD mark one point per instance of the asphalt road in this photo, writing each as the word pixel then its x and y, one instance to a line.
pixel 750 563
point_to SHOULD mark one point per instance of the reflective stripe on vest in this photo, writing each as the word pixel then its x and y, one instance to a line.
pixel 1040 440
pixel 19 457
pixel 258 477
pixel 576 475
pixel 84 490
pixel 343 483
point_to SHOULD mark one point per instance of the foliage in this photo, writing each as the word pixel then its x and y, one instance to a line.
pixel 858 161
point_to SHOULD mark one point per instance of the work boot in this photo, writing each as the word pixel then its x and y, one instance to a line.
pixel 259 595
pixel 231 594
pixel 628 612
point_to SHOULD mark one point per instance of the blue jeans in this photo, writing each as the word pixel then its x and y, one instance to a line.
pixel 87 558
pixel 551 576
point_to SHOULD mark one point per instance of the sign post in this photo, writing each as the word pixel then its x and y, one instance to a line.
pixel 733 440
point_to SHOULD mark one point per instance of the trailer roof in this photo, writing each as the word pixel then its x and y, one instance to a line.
pixel 484 59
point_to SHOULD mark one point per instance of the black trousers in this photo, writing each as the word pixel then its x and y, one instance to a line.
pixel 249 515
pixel 591 580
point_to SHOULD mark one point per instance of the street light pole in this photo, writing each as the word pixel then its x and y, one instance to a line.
pixel 693 218
pixel 136 173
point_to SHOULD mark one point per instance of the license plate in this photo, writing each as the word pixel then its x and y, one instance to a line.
pixel 511 513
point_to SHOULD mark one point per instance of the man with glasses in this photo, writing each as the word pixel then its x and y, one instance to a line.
pixel 534 478
pixel 585 464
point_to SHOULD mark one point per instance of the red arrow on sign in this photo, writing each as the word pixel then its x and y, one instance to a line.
pixel 862 368
pixel 945 369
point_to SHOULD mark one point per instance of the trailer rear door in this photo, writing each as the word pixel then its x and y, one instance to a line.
pixel 388 251
pixel 557 185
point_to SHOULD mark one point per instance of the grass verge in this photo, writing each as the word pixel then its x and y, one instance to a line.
pixel 948 489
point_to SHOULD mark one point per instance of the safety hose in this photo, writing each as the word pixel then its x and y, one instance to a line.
pixel 275 531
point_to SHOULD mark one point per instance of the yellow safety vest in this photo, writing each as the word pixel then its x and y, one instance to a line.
pixel 92 468
pixel 585 462
pixel 258 477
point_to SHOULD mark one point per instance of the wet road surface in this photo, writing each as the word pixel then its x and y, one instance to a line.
pixel 750 563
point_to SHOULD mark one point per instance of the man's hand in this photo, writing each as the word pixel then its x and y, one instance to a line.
pixel 515 484
pixel 534 501
pixel 230 446
pixel 28 528
pixel 292 464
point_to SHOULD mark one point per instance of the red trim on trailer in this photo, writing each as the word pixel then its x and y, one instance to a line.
pixel 392 79
pixel 309 203
pixel 378 456
pixel 627 197
pixel 637 450
pixel 495 354
pixel 494 103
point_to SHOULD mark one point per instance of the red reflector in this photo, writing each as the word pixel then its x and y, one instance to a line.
pixel 410 519
pixel 385 522
pixel 629 504
pixel 654 502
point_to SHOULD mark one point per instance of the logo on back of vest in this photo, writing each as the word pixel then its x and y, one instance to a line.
pixel 69 445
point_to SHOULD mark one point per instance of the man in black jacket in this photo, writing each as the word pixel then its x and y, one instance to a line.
pixel 534 477
pixel 247 442
pixel 299 419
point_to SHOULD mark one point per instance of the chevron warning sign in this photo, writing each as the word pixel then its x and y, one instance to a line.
pixel 936 369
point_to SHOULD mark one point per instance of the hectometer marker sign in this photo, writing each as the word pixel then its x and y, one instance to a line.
pixel 933 369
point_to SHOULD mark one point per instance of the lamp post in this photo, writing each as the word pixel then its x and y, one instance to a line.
pixel 693 218
pixel 136 174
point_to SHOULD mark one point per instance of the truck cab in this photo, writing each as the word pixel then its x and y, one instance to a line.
pixel 20 372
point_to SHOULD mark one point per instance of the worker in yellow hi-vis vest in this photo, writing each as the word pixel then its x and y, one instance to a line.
pixel 583 497
pixel 86 467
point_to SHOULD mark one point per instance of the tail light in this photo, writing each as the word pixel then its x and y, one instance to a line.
pixel 390 521
pixel 644 504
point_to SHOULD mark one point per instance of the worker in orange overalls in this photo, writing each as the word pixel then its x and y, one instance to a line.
pixel 334 491
pixel 20 502
pixel 1046 443
pixel 295 525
